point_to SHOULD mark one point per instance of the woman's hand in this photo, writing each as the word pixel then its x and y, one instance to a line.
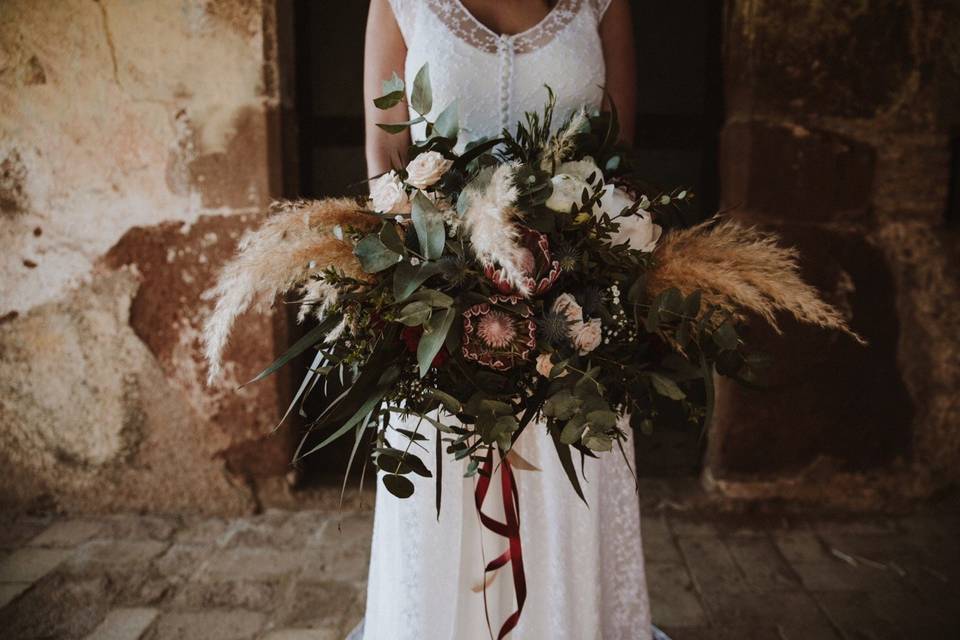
pixel 384 53
pixel 616 33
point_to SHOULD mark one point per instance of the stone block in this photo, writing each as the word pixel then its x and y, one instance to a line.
pixel 711 565
pixel 17 530
pixel 658 544
pixel 277 529
pixel 114 556
pixel 891 615
pixel 344 551
pixel 793 613
pixel 829 59
pixel 761 565
pixel 10 590
pixel 304 634
pixel 262 595
pixel 124 624
pixel 320 604
pixel 139 527
pixel 674 601
pixel 219 624
pixel 67 533
pixel 246 563
pixel 825 399
pixel 794 174
pixel 29 564
pixel 57 607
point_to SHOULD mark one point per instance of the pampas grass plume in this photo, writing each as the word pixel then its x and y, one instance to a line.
pixel 740 269
pixel 293 244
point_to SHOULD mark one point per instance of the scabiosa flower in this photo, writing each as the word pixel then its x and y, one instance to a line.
pixel 539 268
pixel 499 338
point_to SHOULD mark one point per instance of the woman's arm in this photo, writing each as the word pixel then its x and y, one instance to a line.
pixel 384 53
pixel 616 33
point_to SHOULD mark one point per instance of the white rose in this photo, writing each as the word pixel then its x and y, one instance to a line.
pixel 586 336
pixel 638 230
pixel 612 201
pixel 567 191
pixel 566 305
pixel 582 169
pixel 387 194
pixel 426 169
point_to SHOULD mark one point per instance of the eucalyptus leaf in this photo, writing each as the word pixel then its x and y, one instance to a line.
pixel 398 486
pixel 394 84
pixel 375 256
pixel 573 430
pixel 415 313
pixel 390 238
pixel 433 297
pixel 666 387
pixel 397 127
pixel 449 403
pixel 421 96
pixel 433 337
pixel 407 278
pixel 448 122
pixel 388 100
pixel 429 227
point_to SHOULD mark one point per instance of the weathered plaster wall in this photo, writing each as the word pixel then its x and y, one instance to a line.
pixel 135 147
pixel 839 121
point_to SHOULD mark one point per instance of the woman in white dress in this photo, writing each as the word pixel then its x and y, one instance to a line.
pixel 584 564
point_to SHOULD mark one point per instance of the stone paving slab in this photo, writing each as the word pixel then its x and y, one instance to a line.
pixel 300 576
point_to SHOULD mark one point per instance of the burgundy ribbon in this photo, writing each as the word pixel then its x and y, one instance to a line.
pixel 509 529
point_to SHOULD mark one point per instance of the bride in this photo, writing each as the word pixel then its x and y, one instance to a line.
pixel 584 564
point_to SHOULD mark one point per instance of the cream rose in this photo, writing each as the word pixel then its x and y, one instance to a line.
pixel 566 305
pixel 567 192
pixel 426 169
pixel 582 169
pixel 387 194
pixel 586 336
pixel 638 230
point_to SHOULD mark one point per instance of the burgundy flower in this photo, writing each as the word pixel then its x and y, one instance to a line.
pixel 411 339
pixel 541 269
pixel 499 338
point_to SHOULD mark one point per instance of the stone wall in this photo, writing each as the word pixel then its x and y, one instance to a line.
pixel 137 142
pixel 838 129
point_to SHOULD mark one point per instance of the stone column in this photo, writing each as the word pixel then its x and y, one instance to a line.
pixel 837 136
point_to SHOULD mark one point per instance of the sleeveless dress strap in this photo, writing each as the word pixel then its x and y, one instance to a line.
pixel 600 8
pixel 404 12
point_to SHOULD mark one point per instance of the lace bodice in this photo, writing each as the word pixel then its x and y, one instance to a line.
pixel 496 78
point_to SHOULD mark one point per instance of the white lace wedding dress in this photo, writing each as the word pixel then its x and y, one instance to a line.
pixel 584 564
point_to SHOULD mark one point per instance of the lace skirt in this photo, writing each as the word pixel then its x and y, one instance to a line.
pixel 583 562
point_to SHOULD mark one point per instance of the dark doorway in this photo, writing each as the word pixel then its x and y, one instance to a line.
pixel 678 120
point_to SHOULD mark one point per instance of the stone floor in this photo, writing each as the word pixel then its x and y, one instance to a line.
pixel 299 575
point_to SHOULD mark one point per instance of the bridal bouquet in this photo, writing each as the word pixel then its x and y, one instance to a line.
pixel 515 278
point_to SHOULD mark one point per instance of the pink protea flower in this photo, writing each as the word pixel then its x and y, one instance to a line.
pixel 499 338
pixel 539 268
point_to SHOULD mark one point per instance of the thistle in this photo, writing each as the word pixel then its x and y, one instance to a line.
pixel 554 327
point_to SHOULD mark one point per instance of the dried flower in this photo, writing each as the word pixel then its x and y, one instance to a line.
pixel 292 245
pixel 740 269
pixel 426 169
pixel 539 268
pixel 489 221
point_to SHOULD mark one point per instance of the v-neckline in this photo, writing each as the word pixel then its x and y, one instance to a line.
pixel 509 36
